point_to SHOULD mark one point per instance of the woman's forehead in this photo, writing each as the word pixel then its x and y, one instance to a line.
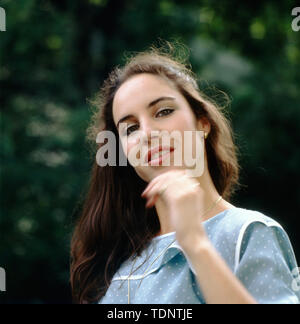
pixel 139 91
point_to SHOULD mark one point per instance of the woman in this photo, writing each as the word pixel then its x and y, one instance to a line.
pixel 188 243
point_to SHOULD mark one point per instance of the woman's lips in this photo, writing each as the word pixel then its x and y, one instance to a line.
pixel 159 160
pixel 155 157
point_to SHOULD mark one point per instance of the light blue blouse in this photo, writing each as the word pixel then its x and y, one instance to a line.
pixel 255 247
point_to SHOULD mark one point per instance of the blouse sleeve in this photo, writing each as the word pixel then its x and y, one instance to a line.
pixel 266 264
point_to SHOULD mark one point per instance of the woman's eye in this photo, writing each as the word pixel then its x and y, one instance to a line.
pixel 130 129
pixel 166 111
pixel 161 113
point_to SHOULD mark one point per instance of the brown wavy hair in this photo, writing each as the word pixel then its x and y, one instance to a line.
pixel 114 223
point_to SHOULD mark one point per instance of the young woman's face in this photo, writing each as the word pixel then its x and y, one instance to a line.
pixel 145 104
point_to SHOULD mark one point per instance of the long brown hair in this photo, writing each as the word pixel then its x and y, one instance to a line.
pixel 114 223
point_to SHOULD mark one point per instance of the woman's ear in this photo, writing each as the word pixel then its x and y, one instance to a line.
pixel 203 124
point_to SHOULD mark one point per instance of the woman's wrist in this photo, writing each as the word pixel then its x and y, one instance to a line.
pixel 196 245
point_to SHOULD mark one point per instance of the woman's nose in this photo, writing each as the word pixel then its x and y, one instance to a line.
pixel 149 132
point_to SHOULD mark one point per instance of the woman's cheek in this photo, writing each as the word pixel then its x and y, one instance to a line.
pixel 125 146
pixel 133 154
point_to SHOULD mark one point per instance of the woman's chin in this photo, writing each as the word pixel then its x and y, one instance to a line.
pixel 150 172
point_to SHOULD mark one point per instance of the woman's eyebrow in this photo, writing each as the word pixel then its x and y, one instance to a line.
pixel 151 104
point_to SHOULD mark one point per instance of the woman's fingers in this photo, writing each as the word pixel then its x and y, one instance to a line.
pixel 151 202
pixel 159 184
pixel 159 188
pixel 172 175
pixel 155 189
pixel 150 185
pixel 153 182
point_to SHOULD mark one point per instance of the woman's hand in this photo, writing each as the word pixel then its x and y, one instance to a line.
pixel 184 199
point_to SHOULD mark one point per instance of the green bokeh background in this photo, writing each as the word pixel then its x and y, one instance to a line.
pixel 55 54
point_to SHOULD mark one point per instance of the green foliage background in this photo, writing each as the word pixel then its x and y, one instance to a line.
pixel 55 54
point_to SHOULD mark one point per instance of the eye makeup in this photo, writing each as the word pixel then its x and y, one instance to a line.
pixel 127 131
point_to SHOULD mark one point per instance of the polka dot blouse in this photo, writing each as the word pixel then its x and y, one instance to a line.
pixel 255 247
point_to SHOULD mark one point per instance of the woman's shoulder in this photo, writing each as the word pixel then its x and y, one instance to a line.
pixel 237 219
pixel 235 230
pixel 227 229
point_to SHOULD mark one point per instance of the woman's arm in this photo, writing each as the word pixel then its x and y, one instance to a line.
pixel 217 282
pixel 184 201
